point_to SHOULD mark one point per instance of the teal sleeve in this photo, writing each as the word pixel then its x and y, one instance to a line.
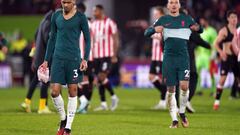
pixel 87 38
pixel 150 31
pixel 191 20
pixel 51 40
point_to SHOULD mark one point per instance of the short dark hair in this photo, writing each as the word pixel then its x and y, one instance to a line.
pixel 100 7
pixel 81 7
pixel 160 9
pixel 229 12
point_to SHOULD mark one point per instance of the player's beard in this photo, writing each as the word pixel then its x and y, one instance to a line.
pixel 68 10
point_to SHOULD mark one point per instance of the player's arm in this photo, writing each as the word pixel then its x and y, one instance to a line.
pixel 87 38
pixel 115 36
pixel 38 52
pixel 156 28
pixel 196 38
pixel 194 26
pixel 221 36
pixel 116 46
pixel 235 44
pixel 51 42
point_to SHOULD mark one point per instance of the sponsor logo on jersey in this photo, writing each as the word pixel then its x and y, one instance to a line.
pixel 183 23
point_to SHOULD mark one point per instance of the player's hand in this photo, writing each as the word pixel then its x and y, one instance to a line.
pixel 159 29
pixel 114 59
pixel 157 36
pixel 83 65
pixel 44 66
pixel 223 56
pixel 195 27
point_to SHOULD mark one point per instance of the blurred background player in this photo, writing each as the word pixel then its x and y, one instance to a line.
pixel 176 58
pixel 207 59
pixel 223 45
pixel 3 47
pixel 156 62
pixel 85 88
pixel 67 64
pixel 39 51
pixel 105 48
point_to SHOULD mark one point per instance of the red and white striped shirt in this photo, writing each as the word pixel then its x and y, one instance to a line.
pixel 157 50
pixel 82 44
pixel 103 31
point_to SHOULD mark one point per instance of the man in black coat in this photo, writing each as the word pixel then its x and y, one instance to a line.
pixel 41 39
pixel 194 42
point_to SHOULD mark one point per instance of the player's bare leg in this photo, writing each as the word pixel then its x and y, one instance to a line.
pixel 219 92
pixel 172 105
pixel 184 94
pixel 59 105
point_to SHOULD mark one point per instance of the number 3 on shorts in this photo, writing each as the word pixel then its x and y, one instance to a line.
pixel 187 73
pixel 75 73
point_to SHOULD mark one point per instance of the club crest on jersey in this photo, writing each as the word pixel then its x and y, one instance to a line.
pixel 168 24
pixel 183 23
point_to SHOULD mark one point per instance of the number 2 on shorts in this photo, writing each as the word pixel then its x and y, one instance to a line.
pixel 187 73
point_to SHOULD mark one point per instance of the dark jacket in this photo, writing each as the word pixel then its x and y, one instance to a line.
pixel 42 39
pixel 195 41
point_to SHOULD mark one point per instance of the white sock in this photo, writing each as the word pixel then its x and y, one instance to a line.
pixel 83 99
pixel 162 102
pixel 217 102
pixel 172 104
pixel 114 97
pixel 104 104
pixel 71 110
pixel 59 105
pixel 183 100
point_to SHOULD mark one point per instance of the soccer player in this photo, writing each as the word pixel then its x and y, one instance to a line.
pixel 3 48
pixel 38 58
pixel 3 45
pixel 156 63
pixel 223 45
pixel 206 60
pixel 176 29
pixel 66 66
pixel 105 49
pixel 85 88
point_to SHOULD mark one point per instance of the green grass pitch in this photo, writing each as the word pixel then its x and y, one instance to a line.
pixel 133 117
pixel 27 24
